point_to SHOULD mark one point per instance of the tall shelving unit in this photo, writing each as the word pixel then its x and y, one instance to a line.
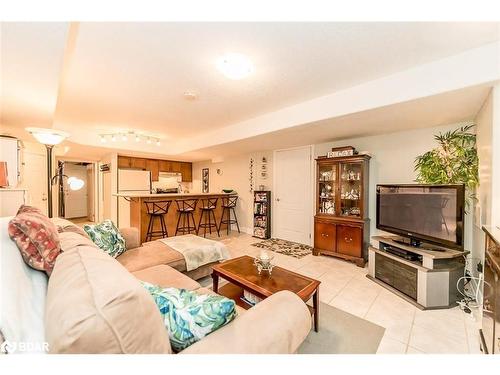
pixel 262 214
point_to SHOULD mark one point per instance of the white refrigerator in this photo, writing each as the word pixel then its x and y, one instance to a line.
pixel 131 181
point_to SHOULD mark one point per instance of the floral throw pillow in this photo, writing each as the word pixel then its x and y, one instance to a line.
pixel 36 237
pixel 107 237
pixel 189 316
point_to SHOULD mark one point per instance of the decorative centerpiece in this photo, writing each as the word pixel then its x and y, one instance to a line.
pixel 263 262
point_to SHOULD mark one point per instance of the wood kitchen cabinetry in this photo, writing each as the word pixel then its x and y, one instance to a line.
pixel 156 166
pixel 153 166
pixel 341 224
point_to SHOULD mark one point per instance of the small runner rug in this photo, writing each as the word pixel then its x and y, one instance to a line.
pixel 293 249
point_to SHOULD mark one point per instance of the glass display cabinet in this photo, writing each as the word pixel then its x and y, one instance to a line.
pixel 341 224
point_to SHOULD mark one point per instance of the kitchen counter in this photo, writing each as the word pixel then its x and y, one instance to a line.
pixel 139 217
pixel 173 195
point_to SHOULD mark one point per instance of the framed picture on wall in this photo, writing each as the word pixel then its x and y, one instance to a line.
pixel 205 187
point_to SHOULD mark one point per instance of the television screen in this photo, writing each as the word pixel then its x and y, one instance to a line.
pixel 432 213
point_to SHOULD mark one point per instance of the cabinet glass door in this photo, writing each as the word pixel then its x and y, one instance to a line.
pixel 327 188
pixel 350 189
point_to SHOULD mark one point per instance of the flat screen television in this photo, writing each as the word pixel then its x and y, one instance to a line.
pixel 423 213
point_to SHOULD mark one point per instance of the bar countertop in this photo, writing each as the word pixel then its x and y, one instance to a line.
pixel 173 195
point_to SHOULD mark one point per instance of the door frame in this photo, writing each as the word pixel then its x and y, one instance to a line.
pixel 96 183
pixel 312 185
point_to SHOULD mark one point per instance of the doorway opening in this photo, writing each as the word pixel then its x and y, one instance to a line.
pixel 76 191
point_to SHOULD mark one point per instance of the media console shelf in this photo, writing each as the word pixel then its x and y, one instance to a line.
pixel 425 278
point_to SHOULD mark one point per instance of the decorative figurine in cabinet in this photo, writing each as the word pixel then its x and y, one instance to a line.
pixel 341 223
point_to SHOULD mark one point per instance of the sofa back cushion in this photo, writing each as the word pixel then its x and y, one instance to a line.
pixel 94 305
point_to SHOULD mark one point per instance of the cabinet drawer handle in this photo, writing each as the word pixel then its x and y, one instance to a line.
pixel 347 239
pixel 324 235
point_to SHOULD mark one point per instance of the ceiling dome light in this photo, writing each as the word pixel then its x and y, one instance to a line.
pixel 103 139
pixel 137 138
pixel 113 138
pixel 124 137
pixel 49 137
pixel 148 141
pixel 234 65
pixel 158 142
pixel 75 183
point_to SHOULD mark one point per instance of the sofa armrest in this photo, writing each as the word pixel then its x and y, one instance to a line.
pixel 131 236
pixel 276 325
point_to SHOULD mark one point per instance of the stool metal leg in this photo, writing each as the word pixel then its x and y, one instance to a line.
pixel 236 219
pixel 164 230
pixel 215 222
pixel 178 222
pixel 150 228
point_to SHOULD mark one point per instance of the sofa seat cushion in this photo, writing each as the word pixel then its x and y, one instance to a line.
pixel 166 277
pixel 152 254
pixel 94 305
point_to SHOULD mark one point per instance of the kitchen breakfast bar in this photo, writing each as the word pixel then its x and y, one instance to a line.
pixel 139 217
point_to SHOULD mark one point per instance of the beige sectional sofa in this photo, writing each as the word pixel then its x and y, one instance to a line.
pixel 95 304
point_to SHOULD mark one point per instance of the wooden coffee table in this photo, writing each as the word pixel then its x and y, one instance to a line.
pixel 242 274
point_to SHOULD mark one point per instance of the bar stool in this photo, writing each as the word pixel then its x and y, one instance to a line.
pixel 207 212
pixel 157 209
pixel 185 209
pixel 228 205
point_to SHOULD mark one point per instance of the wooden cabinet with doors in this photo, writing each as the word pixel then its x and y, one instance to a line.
pixel 138 163
pixel 156 166
pixel 341 224
pixel 152 165
pixel 186 170
pixel 124 162
pixel 165 165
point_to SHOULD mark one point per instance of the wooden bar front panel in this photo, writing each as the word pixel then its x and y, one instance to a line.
pixel 139 218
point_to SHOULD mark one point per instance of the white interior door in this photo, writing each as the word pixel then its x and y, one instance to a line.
pixel 34 178
pixel 75 201
pixel 293 197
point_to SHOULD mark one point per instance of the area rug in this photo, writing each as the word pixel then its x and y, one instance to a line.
pixel 342 333
pixel 294 249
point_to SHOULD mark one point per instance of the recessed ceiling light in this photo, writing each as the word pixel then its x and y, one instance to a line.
pixel 234 65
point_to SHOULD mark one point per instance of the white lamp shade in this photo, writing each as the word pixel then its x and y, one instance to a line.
pixel 49 137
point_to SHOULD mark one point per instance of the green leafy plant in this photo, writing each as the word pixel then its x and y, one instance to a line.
pixel 454 161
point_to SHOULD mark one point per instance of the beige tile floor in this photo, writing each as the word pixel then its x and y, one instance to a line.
pixel 345 286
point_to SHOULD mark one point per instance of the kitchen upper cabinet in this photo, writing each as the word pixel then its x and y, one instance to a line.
pixel 165 165
pixel 156 166
pixel 152 165
pixel 176 167
pixel 138 163
pixel 124 162
pixel 187 172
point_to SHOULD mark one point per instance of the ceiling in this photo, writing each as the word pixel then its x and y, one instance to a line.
pixel 449 108
pixel 91 78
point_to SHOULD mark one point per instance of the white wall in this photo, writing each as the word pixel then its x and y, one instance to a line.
pixel 235 175
pixel 483 206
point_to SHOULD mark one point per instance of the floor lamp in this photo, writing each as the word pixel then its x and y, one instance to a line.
pixel 49 138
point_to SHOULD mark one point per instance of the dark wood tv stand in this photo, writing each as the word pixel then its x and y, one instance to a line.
pixel 424 277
